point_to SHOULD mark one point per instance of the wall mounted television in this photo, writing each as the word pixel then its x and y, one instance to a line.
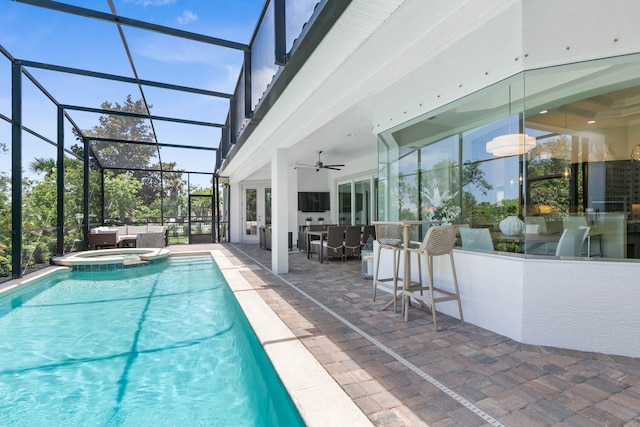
pixel 313 201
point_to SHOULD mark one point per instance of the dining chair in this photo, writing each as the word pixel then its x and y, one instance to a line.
pixel 536 220
pixel 439 241
pixel 267 238
pixel 312 243
pixel 571 242
pixel 476 238
pixel 352 241
pixel 580 221
pixel 333 246
pixel 368 230
pixel 389 238
pixel 574 221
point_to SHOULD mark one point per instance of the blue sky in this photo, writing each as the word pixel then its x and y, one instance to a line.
pixel 48 36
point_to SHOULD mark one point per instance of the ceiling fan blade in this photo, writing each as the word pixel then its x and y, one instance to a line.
pixel 330 167
pixel 333 166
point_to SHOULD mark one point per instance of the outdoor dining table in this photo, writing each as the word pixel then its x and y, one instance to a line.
pixel 322 235
pixel 406 244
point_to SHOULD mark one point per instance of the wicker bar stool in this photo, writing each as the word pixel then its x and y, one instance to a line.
pixel 389 237
pixel 438 241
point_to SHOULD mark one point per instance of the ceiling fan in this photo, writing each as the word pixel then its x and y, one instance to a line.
pixel 319 165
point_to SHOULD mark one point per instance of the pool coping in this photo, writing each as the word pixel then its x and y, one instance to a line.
pixel 319 398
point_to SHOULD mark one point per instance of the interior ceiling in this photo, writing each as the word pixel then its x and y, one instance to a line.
pixel 612 109
pixel 345 137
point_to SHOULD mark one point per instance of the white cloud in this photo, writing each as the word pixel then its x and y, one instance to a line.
pixel 146 3
pixel 187 17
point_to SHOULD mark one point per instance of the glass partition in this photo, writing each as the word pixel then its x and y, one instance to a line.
pixel 297 14
pixel 263 66
pixel 528 158
pixel 583 172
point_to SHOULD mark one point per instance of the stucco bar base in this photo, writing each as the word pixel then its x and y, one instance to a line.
pixel 586 305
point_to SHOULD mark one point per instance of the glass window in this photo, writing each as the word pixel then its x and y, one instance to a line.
pixel 359 212
pixel 581 172
pixel 362 190
pixel 528 158
pixel 344 203
pixel 267 206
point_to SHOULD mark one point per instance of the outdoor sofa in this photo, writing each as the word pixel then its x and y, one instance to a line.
pixel 154 236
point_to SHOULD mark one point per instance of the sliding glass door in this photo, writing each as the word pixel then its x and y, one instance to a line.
pixel 344 203
pixel 355 201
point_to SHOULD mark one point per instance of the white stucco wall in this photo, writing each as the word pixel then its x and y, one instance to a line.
pixel 582 305
pixel 483 42
pixel 589 306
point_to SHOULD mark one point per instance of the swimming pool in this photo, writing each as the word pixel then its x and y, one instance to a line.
pixel 160 345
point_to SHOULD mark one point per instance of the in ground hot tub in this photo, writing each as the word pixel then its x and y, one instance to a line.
pixel 112 259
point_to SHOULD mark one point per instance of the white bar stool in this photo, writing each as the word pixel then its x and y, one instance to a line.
pixel 389 237
pixel 438 241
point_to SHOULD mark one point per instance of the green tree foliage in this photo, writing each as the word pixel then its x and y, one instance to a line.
pixel 120 196
pixel 40 197
pixel 123 155
pixel 5 218
pixel 547 175
pixel 136 161
pixel 5 194
pixel 444 176
pixel 474 182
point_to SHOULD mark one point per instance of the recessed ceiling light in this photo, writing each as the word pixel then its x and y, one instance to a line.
pixel 350 134
pixel 591 122
pixel 544 112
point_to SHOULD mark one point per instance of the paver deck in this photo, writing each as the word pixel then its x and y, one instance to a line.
pixel 405 374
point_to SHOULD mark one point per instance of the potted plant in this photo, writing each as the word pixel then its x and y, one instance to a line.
pixel 320 220
pixel 308 219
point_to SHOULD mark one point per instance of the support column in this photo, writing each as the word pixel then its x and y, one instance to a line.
pixel 16 170
pixel 279 212
pixel 60 223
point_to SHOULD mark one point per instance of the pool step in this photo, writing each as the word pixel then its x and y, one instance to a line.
pixel 136 262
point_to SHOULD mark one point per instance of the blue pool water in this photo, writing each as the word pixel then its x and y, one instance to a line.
pixel 164 345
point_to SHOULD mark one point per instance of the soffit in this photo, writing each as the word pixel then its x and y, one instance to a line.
pixel 313 99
